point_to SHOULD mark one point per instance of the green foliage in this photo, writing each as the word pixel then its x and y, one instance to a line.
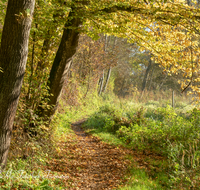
pixel 161 130
pixel 2 16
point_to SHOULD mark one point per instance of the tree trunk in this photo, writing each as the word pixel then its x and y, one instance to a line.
pixel 32 65
pixel 61 64
pixel 110 69
pixel 152 74
pixel 88 85
pixel 44 54
pixel 107 79
pixel 101 81
pixel 105 52
pixel 161 84
pixel 146 76
pixel 13 57
pixel 121 92
pixel 39 71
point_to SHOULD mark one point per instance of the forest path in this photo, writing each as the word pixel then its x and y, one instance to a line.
pixel 89 163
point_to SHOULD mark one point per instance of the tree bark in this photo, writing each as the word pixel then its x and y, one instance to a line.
pixel 32 65
pixel 102 78
pixel 146 76
pixel 61 64
pixel 13 57
pixel 110 68
pixel 88 85
pixel 101 81
pixel 121 92
pixel 152 74
pixel 161 84
pixel 107 79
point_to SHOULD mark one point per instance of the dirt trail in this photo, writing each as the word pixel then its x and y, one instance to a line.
pixel 91 164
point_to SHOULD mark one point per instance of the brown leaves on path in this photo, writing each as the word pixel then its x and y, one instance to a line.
pixel 90 163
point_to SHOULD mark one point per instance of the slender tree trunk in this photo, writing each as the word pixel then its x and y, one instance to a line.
pixel 61 64
pixel 161 84
pixel 122 86
pixel 43 55
pixel 146 76
pixel 105 52
pixel 32 65
pixel 89 66
pixel 107 79
pixel 39 71
pixel 101 84
pixel 152 73
pixel 88 85
pixel 13 57
pixel 110 69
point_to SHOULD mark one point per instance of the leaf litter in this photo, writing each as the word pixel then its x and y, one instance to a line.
pixel 90 164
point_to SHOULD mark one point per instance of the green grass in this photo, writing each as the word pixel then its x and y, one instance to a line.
pixel 172 133
pixel 139 180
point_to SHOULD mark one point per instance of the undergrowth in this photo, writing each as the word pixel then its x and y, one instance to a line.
pixel 28 160
pixel 162 131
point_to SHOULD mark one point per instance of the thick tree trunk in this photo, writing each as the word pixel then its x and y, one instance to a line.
pixel 61 64
pixel 13 57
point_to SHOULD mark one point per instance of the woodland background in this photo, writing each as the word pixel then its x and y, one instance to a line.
pixel 120 64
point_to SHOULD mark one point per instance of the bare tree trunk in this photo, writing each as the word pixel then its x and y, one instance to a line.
pixel 110 69
pixel 107 79
pixel 122 86
pixel 101 87
pixel 32 65
pixel 88 86
pixel 61 64
pixel 39 71
pixel 101 81
pixel 45 49
pixel 146 76
pixel 150 83
pixel 13 57
pixel 161 84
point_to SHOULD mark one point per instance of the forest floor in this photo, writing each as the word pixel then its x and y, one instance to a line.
pixel 90 163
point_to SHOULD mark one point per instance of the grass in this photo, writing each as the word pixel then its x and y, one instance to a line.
pixel 162 131
pixel 139 180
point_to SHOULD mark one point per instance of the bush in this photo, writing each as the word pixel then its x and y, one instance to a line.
pixel 162 131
